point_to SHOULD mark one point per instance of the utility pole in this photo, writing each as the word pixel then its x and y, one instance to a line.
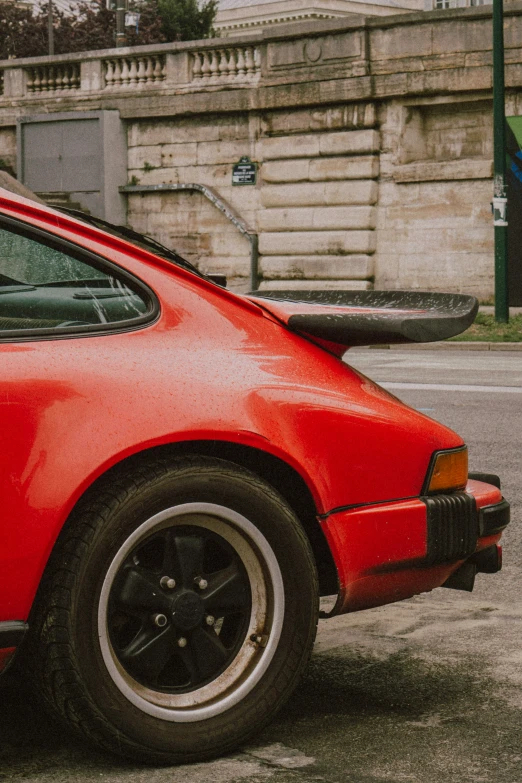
pixel 499 160
pixel 50 26
pixel 121 33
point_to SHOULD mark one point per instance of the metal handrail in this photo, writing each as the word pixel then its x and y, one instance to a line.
pixel 223 207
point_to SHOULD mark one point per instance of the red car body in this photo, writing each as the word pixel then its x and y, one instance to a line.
pixel 214 372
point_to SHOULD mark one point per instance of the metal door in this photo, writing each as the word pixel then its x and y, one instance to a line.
pixel 62 156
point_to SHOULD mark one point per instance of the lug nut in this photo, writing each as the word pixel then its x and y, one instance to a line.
pixel 201 583
pixel 210 620
pixel 182 642
pixel 160 620
pixel 167 583
pixel 262 641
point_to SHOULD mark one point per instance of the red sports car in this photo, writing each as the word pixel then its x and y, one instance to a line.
pixel 185 471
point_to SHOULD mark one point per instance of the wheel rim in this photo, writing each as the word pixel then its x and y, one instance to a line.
pixel 191 612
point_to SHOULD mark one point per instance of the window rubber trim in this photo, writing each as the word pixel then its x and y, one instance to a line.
pixel 98 262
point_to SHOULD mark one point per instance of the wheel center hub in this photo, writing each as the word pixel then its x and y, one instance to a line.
pixel 187 610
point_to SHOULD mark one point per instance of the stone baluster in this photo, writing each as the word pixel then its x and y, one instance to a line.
pixel 44 84
pixel 37 82
pixel 133 72
pixel 249 62
pixel 58 78
pixel 223 63
pixel 65 78
pixel 158 69
pixel 125 73
pixel 205 70
pixel 118 69
pixel 240 64
pixel 197 66
pixel 109 73
pixel 140 76
pixel 232 64
pixel 214 65
pixel 149 70
pixel 77 75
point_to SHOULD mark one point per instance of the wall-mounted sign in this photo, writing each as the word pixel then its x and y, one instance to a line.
pixel 244 172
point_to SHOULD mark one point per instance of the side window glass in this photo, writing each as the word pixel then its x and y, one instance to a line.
pixel 45 288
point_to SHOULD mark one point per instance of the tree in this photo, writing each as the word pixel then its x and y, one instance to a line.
pixel 92 26
pixel 187 20
pixel 21 32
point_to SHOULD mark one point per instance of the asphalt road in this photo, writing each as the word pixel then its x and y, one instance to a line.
pixel 425 691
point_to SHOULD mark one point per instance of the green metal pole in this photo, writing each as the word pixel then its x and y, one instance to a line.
pixel 499 160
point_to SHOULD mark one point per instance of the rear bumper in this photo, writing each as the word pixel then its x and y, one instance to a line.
pixel 391 551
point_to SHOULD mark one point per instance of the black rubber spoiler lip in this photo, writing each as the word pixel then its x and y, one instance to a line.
pixel 373 317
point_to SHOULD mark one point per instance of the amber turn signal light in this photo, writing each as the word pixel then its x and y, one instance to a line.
pixel 449 471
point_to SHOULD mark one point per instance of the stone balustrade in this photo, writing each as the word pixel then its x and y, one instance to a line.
pixel 127 72
pixel 359 59
pixel 61 77
pixel 222 66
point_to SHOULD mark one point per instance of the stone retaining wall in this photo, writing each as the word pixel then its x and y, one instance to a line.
pixel 373 139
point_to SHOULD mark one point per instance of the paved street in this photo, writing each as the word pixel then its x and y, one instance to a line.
pixel 425 691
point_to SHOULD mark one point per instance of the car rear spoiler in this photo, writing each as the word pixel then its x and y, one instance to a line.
pixel 350 318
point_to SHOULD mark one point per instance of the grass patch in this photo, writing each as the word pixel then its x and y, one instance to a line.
pixel 486 328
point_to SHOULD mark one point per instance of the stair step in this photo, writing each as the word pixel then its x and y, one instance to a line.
pixel 62 200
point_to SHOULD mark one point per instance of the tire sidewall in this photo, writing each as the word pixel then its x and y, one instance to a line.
pixel 238 490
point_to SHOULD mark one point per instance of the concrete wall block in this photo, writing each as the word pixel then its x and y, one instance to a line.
pixel 8 143
pixel 238 266
pixel 321 242
pixel 316 218
pixel 155 176
pixel 139 156
pixel 399 42
pixel 297 146
pixel 285 170
pixel 340 117
pixel 349 142
pixel 145 132
pixel 354 192
pixel 215 177
pixel 143 203
pixel 316 285
pixel 242 199
pixel 358 267
pixel 320 194
pixel 231 244
pixel 344 168
pixel 173 155
pixel 216 152
pixel 467 273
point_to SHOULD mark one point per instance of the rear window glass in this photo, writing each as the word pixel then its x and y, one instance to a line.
pixel 43 287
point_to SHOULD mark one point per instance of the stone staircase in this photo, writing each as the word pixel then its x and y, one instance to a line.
pixel 62 201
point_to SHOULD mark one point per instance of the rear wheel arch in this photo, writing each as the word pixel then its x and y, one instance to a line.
pixel 276 472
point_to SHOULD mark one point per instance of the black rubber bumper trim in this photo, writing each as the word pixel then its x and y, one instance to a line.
pixel 452 527
pixel 487 478
pixel 493 519
pixel 12 633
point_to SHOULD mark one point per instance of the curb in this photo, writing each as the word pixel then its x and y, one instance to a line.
pixel 461 345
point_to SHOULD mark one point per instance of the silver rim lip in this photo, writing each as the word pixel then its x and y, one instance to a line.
pixel 253 536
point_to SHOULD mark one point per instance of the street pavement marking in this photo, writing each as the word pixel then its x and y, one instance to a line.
pixel 452 387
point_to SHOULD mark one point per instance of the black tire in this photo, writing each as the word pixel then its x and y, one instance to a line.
pixel 95 645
